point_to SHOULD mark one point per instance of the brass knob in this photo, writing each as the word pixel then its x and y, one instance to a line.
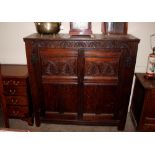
pixel 12 91
pixel 14 101
pixel 16 82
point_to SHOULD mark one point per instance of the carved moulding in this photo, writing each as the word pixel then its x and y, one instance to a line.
pixel 82 44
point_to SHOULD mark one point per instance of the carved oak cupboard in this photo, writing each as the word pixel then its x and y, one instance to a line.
pixel 81 80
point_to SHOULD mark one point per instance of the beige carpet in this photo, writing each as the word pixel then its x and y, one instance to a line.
pixel 19 124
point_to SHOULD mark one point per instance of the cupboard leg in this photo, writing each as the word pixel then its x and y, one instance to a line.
pixel 37 119
pixel 30 121
pixel 121 127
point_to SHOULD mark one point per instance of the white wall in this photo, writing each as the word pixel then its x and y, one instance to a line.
pixel 143 32
pixel 12 49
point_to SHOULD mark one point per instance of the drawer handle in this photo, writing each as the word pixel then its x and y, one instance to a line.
pixel 16 82
pixel 14 101
pixel 12 92
pixel 15 112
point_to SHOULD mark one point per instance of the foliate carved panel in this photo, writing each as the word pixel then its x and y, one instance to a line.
pixel 101 68
pixel 83 44
pixel 59 66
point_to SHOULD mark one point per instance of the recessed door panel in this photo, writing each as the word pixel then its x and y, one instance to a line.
pixel 100 99
pixel 60 99
pixel 59 65
pixel 102 66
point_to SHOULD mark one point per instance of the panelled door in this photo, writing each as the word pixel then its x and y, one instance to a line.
pixel 101 84
pixel 60 83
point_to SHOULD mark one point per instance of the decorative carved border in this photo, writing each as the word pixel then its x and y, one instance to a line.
pixel 82 44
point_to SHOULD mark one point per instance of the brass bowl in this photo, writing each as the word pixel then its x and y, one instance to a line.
pixel 48 27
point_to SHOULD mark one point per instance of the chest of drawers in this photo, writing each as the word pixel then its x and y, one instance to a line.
pixel 143 104
pixel 17 92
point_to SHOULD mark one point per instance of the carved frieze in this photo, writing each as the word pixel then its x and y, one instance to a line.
pixel 82 44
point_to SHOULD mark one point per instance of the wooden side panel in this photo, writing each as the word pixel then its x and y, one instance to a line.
pixel 137 101
pixel 142 106
pixel 150 108
pixel 3 102
pixel 149 111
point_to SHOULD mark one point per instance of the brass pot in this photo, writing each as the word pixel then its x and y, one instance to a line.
pixel 48 27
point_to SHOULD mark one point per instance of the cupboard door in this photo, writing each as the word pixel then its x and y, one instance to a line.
pixel 59 81
pixel 101 79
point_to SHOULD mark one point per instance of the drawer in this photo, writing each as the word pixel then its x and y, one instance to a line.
pixel 17 100
pixel 15 91
pixel 17 111
pixel 14 81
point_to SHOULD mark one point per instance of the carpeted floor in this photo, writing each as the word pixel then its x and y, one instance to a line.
pixel 19 124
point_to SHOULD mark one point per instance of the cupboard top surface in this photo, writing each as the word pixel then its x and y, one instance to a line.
pixel 146 83
pixel 14 70
pixel 37 36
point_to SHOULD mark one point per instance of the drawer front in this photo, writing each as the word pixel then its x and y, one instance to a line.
pixel 14 81
pixel 17 100
pixel 17 111
pixel 15 91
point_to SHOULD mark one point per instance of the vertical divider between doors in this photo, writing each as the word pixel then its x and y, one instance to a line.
pixel 81 64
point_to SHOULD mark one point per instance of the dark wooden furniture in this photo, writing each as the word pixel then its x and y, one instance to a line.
pixel 81 80
pixel 17 92
pixel 142 108
pixel 3 102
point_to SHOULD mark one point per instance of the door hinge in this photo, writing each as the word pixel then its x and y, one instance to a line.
pixel 34 58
